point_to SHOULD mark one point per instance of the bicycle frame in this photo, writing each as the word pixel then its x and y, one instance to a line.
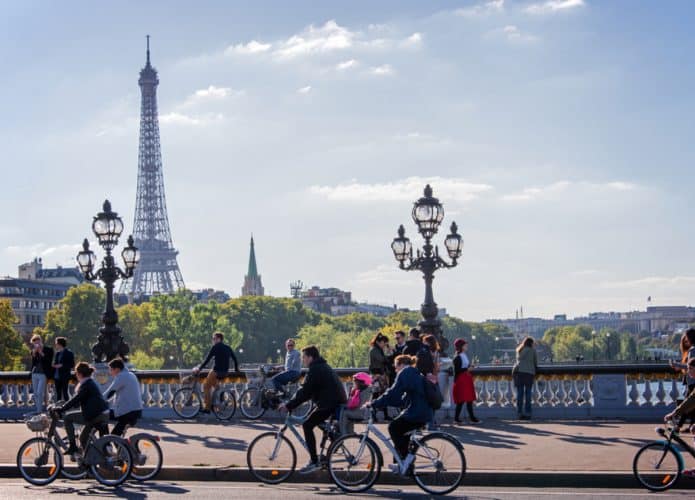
pixel 671 434
pixel 291 425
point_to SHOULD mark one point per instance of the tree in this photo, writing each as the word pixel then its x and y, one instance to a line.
pixel 134 320
pixel 10 340
pixel 170 328
pixel 78 318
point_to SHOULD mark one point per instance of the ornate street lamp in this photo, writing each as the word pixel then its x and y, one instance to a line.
pixel 107 227
pixel 428 214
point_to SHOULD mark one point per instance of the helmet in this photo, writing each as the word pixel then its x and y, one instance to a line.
pixel 363 377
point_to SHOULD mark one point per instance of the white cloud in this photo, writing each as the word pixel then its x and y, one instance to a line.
pixel 60 254
pixel 551 6
pixel 304 90
pixel 213 92
pixel 539 192
pixel 182 119
pixel 252 47
pixel 402 190
pixel 315 40
pixel 482 9
pixel 345 65
pixel 513 34
pixel 383 274
pixel 383 70
pixel 414 40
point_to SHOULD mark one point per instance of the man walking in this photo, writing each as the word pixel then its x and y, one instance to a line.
pixel 41 370
pixel 63 363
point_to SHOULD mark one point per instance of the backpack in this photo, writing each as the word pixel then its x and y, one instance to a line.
pixel 432 394
pixel 425 362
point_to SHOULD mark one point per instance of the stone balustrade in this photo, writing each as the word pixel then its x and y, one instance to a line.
pixel 631 391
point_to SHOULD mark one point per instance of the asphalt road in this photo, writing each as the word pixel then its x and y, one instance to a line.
pixel 14 489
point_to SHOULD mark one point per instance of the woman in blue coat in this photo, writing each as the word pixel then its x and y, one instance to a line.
pixel 408 388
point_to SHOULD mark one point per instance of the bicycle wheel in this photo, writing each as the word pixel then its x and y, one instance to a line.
pixel 271 458
pixel 109 460
pixel 224 404
pixel 439 464
pixel 657 466
pixel 354 463
pixel 147 457
pixel 251 404
pixel 39 461
pixel 70 470
pixel 186 402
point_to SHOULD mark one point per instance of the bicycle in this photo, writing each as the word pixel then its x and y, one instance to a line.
pixel 436 460
pixel 40 460
pixel 658 465
pixel 188 400
pixel 257 399
pixel 271 456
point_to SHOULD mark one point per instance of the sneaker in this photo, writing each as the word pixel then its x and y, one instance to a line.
pixel 476 421
pixel 689 473
pixel 309 467
pixel 72 449
pixel 395 468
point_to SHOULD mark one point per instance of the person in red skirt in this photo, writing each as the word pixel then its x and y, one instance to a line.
pixel 464 390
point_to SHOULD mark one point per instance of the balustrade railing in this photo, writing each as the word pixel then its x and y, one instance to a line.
pixel 637 391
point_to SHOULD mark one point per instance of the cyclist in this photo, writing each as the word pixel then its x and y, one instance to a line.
pixel 416 414
pixel 293 367
pixel 127 406
pixel 684 410
pixel 321 385
pixel 221 352
pixel 93 408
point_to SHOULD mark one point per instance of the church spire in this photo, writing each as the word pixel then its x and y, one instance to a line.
pixel 252 280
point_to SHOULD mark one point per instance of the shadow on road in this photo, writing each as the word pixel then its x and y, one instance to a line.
pixel 134 491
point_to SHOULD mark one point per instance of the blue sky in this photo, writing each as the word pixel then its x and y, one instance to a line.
pixel 557 133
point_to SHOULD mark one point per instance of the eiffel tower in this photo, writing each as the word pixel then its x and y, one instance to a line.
pixel 158 271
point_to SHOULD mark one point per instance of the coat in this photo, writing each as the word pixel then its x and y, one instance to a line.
pixel 409 388
pixel 89 399
pixel 321 385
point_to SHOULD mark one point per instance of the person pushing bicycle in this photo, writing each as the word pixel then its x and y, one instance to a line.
pixel 685 409
pixel 220 369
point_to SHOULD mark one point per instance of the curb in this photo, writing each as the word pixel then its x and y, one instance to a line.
pixel 493 478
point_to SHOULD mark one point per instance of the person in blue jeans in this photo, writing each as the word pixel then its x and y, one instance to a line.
pixel 524 373
pixel 293 367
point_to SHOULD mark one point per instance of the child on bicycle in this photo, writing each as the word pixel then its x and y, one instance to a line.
pixel 360 393
pixel 685 409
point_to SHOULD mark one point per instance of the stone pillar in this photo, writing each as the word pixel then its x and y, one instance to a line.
pixel 446 380
pixel 610 395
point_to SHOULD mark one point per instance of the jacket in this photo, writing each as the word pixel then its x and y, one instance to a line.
pixel 409 382
pixel 126 387
pixel 378 363
pixel 412 347
pixel 89 399
pixel 221 352
pixel 527 360
pixel 67 359
pixel 321 385
pixel 45 362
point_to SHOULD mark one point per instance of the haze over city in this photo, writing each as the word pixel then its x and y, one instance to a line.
pixel 556 133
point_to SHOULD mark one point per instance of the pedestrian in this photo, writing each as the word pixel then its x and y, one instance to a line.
pixel 378 368
pixel 63 363
pixel 524 373
pixel 41 370
pixel 430 342
pixel 464 388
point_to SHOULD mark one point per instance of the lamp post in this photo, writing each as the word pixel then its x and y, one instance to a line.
pixel 428 214
pixel 352 355
pixel 593 345
pixel 608 345
pixel 107 227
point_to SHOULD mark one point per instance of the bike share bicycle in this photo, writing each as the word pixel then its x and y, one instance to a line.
pixel 188 400
pixel 658 465
pixel 271 456
pixel 40 459
pixel 258 398
pixel 435 460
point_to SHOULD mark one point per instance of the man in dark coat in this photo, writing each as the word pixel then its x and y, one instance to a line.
pixel 63 363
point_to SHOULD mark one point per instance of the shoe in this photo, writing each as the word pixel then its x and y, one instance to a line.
pixel 204 411
pixel 309 467
pixel 476 421
pixel 72 449
pixel 689 473
pixel 395 468
pixel 458 421
pixel 525 417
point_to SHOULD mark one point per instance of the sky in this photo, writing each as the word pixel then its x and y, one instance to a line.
pixel 556 133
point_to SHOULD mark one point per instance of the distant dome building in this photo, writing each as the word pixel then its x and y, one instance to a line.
pixel 252 280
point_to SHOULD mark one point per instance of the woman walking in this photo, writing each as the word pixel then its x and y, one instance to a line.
pixel 524 372
pixel 464 389
pixel 378 368
pixel 435 351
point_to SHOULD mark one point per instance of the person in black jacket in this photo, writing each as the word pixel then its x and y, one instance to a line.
pixel 324 388
pixel 41 370
pixel 220 369
pixel 93 408
pixel 63 363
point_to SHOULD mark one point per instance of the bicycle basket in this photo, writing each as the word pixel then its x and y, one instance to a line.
pixel 38 423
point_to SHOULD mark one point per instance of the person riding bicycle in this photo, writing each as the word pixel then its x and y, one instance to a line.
pixel 293 368
pixel 127 406
pixel 221 352
pixel 409 382
pixel 685 409
pixel 321 385
pixel 93 408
